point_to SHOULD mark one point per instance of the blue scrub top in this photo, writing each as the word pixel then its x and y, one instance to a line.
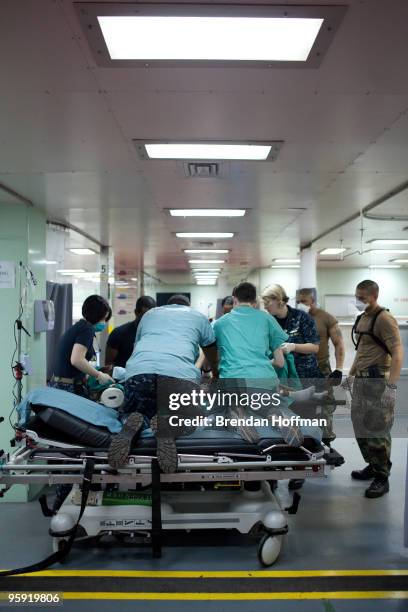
pixel 167 342
pixel 246 339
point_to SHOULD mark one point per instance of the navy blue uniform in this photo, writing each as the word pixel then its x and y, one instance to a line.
pixel 122 339
pixel 301 329
pixel 81 333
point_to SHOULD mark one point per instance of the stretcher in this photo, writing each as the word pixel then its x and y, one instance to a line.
pixel 221 482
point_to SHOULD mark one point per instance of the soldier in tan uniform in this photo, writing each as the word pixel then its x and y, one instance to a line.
pixel 328 329
pixel 376 368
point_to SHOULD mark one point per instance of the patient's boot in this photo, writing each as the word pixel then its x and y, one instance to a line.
pixel 121 444
pixel 166 444
pixel 303 395
pixel 247 432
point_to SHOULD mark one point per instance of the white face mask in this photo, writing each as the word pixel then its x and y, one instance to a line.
pixel 303 307
pixel 361 306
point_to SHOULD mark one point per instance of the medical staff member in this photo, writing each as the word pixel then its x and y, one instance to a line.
pixel 167 347
pixel 75 348
pixel 328 329
pixel 121 341
pixel 376 368
pixel 247 339
pixel 303 338
pixel 227 304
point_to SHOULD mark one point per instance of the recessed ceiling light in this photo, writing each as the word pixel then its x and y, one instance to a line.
pixel 206 261
pixel 205 282
pixel 204 234
pixel 46 262
pixel 374 267
pixel 286 260
pixel 208 251
pixel 332 251
pixel 133 279
pixel 205 270
pixel 388 251
pixel 155 37
pixel 83 251
pixel 387 241
pixel 286 266
pixel 70 272
pixel 207 212
pixel 203 150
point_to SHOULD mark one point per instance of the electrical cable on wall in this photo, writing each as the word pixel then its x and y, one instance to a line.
pixel 17 367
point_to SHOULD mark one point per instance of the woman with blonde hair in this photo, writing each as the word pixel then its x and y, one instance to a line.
pixel 303 339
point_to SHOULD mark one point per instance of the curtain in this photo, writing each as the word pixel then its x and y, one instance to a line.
pixel 61 295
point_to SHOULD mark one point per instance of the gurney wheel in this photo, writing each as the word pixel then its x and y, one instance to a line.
pixel 57 545
pixel 269 548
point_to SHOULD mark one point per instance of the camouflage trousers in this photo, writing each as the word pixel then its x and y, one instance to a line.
pixel 327 411
pixel 372 423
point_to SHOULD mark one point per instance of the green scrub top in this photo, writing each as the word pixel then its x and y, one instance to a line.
pixel 246 339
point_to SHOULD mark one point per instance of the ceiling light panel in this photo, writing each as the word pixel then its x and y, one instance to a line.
pixel 126 34
pixel 83 251
pixel 246 151
pixel 387 241
pixel 207 212
pixel 332 251
pixel 206 261
pixel 205 251
pixel 219 235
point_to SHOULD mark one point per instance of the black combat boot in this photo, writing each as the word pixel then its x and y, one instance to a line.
pixel 378 487
pixel 366 474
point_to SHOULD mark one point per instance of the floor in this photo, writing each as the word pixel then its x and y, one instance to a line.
pixel 335 528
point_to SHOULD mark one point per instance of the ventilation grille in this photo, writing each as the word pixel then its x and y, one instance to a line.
pixel 202 169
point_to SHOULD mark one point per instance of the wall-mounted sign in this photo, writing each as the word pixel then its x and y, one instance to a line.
pixel 7 275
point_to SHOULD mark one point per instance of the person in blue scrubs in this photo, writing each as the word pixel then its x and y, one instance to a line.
pixel 75 348
pixel 167 346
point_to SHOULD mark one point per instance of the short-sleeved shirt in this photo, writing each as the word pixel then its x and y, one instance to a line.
pixel 302 329
pixel 122 339
pixel 369 353
pixel 324 322
pixel 246 339
pixel 167 342
pixel 82 333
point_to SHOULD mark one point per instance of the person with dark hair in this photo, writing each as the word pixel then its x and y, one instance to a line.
pixel 178 298
pixel 167 346
pixel 227 304
pixel 246 340
pixel 376 370
pixel 75 348
pixel 121 341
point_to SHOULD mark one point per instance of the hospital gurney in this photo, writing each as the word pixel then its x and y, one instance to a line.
pixel 222 481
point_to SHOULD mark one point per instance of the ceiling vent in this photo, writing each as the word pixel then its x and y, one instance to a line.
pixel 202 169
pixel 206 244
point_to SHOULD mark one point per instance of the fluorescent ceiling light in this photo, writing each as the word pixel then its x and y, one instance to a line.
pixel 213 151
pixel 206 261
pixel 389 251
pixel 208 251
pixel 332 251
pixel 205 282
pixel 207 212
pixel 70 272
pixel 374 267
pixel 287 260
pixel 135 37
pixel 387 241
pixel 404 261
pixel 133 279
pixel 83 251
pixel 285 266
pixel 46 262
pixel 204 234
pixel 194 270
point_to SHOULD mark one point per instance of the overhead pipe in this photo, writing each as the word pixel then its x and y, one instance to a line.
pixel 16 195
pixel 396 191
